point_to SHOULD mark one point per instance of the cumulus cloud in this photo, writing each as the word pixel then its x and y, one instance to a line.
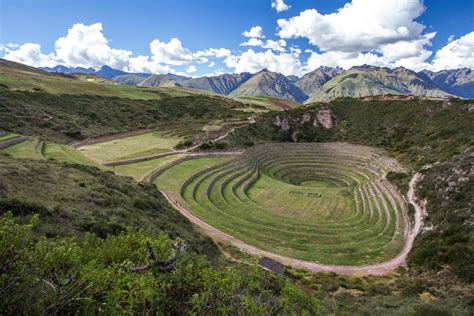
pixel 86 46
pixel 280 5
pixel 252 42
pixel 214 52
pixel 211 64
pixel 278 45
pixel 409 54
pixel 172 53
pixel 343 59
pixel 30 54
pixel 457 54
pixel 255 31
pixel 191 69
pixel 143 64
pixel 251 61
pixel 358 26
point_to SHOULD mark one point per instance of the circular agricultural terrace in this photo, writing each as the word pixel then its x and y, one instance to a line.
pixel 322 202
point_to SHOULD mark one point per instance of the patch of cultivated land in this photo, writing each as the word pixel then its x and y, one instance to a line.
pixel 139 169
pixel 26 149
pixel 131 147
pixel 65 153
pixel 327 203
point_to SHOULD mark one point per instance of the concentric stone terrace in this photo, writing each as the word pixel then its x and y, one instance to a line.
pixel 327 202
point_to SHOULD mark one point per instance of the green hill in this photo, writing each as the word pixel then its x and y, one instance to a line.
pixel 270 84
pixel 157 81
pixel 366 81
pixel 222 84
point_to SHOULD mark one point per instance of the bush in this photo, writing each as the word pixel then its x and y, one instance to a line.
pixel 67 276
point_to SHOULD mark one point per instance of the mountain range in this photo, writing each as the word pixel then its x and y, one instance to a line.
pixel 320 85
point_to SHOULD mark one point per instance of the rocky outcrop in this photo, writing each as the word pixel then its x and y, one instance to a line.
pixel 324 118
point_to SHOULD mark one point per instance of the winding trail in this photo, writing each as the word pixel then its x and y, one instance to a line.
pixel 375 269
pixel 251 120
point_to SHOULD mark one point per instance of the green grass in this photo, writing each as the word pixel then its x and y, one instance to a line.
pixel 63 153
pixel 139 169
pixel 130 147
pixel 172 179
pixel 7 136
pixel 26 149
pixel 300 201
pixel 268 103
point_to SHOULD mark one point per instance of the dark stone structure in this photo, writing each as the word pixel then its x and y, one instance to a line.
pixel 272 265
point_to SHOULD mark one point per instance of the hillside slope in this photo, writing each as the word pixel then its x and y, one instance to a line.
pixel 130 80
pixel 363 81
pixel 311 81
pixel 458 82
pixel 222 84
pixel 270 84
pixel 158 81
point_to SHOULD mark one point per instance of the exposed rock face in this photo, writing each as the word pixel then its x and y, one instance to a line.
pixel 276 120
pixel 324 117
pixel 283 123
pixel 294 136
pixel 306 117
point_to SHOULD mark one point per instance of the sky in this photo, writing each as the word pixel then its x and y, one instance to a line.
pixel 211 37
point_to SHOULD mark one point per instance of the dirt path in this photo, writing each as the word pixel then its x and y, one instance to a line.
pixel 375 269
pixel 176 152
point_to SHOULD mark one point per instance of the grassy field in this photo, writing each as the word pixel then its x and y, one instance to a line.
pixel 139 169
pixel 26 149
pixel 269 103
pixel 130 147
pixel 316 202
pixel 7 136
pixel 172 180
pixel 63 153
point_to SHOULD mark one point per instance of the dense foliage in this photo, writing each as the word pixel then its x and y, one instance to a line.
pixel 64 118
pixel 448 239
pixel 73 199
pixel 43 276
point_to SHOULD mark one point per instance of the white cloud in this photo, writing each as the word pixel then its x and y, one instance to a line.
pixel 252 42
pixel 358 26
pixel 251 61
pixel 191 69
pixel 211 64
pixel 278 45
pixel 451 38
pixel 343 59
pixel 280 5
pixel 457 54
pixel 9 46
pixel 145 65
pixel 409 54
pixel 255 31
pixel 172 53
pixel 86 46
pixel 214 52
pixel 30 54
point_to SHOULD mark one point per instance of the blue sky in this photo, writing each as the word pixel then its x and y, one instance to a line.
pixel 419 30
